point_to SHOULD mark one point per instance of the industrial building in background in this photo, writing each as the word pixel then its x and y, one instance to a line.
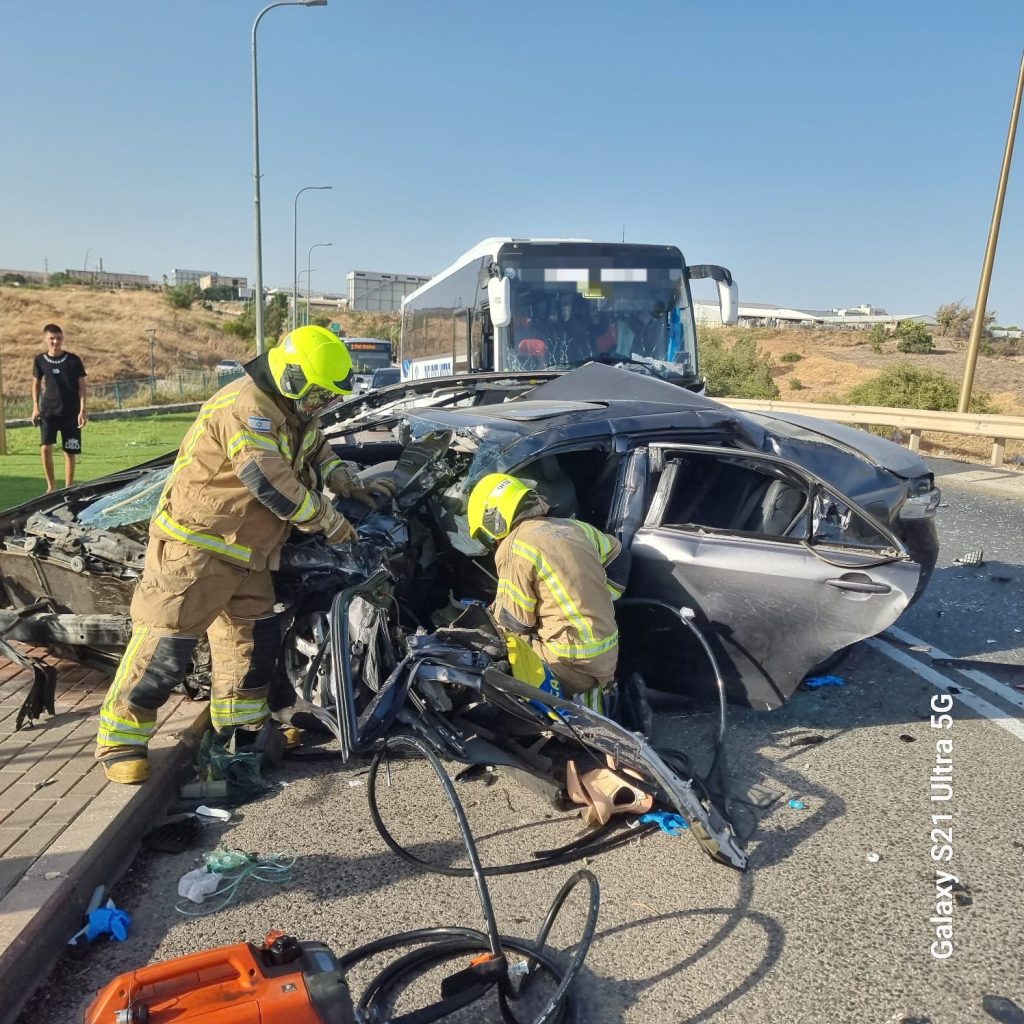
pixel 370 292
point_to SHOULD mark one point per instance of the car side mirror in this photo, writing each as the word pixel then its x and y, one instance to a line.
pixel 498 290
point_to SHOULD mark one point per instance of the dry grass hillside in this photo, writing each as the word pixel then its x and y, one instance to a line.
pixel 109 330
pixel 833 361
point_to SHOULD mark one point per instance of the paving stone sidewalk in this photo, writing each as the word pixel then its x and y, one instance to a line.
pixel 64 829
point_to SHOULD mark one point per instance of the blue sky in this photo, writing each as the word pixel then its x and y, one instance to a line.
pixel 828 153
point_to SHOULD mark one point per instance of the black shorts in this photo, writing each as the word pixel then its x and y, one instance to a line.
pixel 67 426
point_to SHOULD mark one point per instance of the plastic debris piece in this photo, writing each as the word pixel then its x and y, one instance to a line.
pixel 813 682
pixel 873 858
pixel 108 920
pixel 797 805
pixel 199 883
pixel 669 823
pixel 975 557
pixel 356 782
pixel 217 813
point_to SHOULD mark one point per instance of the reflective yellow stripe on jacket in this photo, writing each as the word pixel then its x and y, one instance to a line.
pixel 604 549
pixel 208 541
pixel 590 646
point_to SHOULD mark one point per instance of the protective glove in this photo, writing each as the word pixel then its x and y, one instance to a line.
pixel 374 492
pixel 337 529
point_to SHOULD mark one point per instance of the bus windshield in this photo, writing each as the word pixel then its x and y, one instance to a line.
pixel 368 354
pixel 568 310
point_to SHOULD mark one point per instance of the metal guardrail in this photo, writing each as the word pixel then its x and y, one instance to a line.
pixel 916 421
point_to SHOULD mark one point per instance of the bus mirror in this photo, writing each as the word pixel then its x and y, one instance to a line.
pixel 498 299
pixel 728 293
pixel 729 301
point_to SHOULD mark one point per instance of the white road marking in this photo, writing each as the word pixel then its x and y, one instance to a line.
pixel 1008 694
pixel 936 678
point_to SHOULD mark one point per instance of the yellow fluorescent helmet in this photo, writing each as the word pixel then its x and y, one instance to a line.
pixel 493 503
pixel 311 358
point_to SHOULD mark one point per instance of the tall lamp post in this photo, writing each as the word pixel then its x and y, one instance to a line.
pixel 260 344
pixel 978 325
pixel 309 272
pixel 295 249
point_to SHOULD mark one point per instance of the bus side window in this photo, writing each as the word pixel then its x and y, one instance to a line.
pixel 483 341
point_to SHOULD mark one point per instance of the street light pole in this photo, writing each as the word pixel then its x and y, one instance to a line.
pixel 260 343
pixel 295 249
pixel 309 272
pixel 990 253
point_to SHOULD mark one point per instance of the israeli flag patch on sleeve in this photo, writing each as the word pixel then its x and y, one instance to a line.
pixel 261 423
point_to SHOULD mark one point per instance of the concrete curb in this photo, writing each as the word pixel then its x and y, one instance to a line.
pixel 125 414
pixel 40 914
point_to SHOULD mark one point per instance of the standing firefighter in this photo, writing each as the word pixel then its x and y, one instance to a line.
pixel 557 579
pixel 250 468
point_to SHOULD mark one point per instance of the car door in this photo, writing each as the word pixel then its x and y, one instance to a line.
pixel 780 569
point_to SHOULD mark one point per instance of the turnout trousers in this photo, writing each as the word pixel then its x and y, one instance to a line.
pixel 186 592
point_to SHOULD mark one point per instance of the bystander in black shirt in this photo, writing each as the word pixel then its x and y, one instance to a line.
pixel 60 376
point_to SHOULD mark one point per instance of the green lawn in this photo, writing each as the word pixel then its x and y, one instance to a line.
pixel 107 446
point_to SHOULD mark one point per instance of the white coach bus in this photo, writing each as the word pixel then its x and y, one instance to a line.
pixel 523 304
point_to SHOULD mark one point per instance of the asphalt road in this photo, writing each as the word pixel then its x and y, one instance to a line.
pixel 833 921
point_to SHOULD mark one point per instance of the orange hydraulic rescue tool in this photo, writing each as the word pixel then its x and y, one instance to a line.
pixel 284 981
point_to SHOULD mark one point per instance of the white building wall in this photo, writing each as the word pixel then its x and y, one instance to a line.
pixel 371 292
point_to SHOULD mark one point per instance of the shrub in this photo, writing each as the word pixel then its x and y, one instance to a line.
pixel 796 384
pixel 791 357
pixel 877 336
pixel 181 296
pixel 906 386
pixel 742 371
pixel 913 337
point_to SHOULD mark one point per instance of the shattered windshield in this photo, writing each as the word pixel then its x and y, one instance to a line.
pixel 134 503
pixel 569 309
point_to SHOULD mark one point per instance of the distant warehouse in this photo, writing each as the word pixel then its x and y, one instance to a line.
pixel 370 292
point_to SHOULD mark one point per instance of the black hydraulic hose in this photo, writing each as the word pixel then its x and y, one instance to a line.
pixel 679 613
pixel 438 945
pixel 586 846
pixel 687 621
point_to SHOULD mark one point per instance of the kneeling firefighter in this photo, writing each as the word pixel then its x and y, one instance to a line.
pixel 251 467
pixel 557 579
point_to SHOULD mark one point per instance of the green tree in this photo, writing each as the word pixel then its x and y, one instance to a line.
pixel 275 317
pixel 59 279
pixel 738 371
pixel 913 337
pixel 955 320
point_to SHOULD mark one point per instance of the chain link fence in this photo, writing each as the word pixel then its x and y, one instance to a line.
pixel 178 386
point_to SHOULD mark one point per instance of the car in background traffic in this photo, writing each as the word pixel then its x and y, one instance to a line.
pixel 384 377
pixel 229 368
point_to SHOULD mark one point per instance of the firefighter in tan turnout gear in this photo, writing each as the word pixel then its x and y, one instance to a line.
pixel 251 467
pixel 557 579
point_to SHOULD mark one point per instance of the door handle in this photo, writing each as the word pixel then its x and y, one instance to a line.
pixel 863 585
